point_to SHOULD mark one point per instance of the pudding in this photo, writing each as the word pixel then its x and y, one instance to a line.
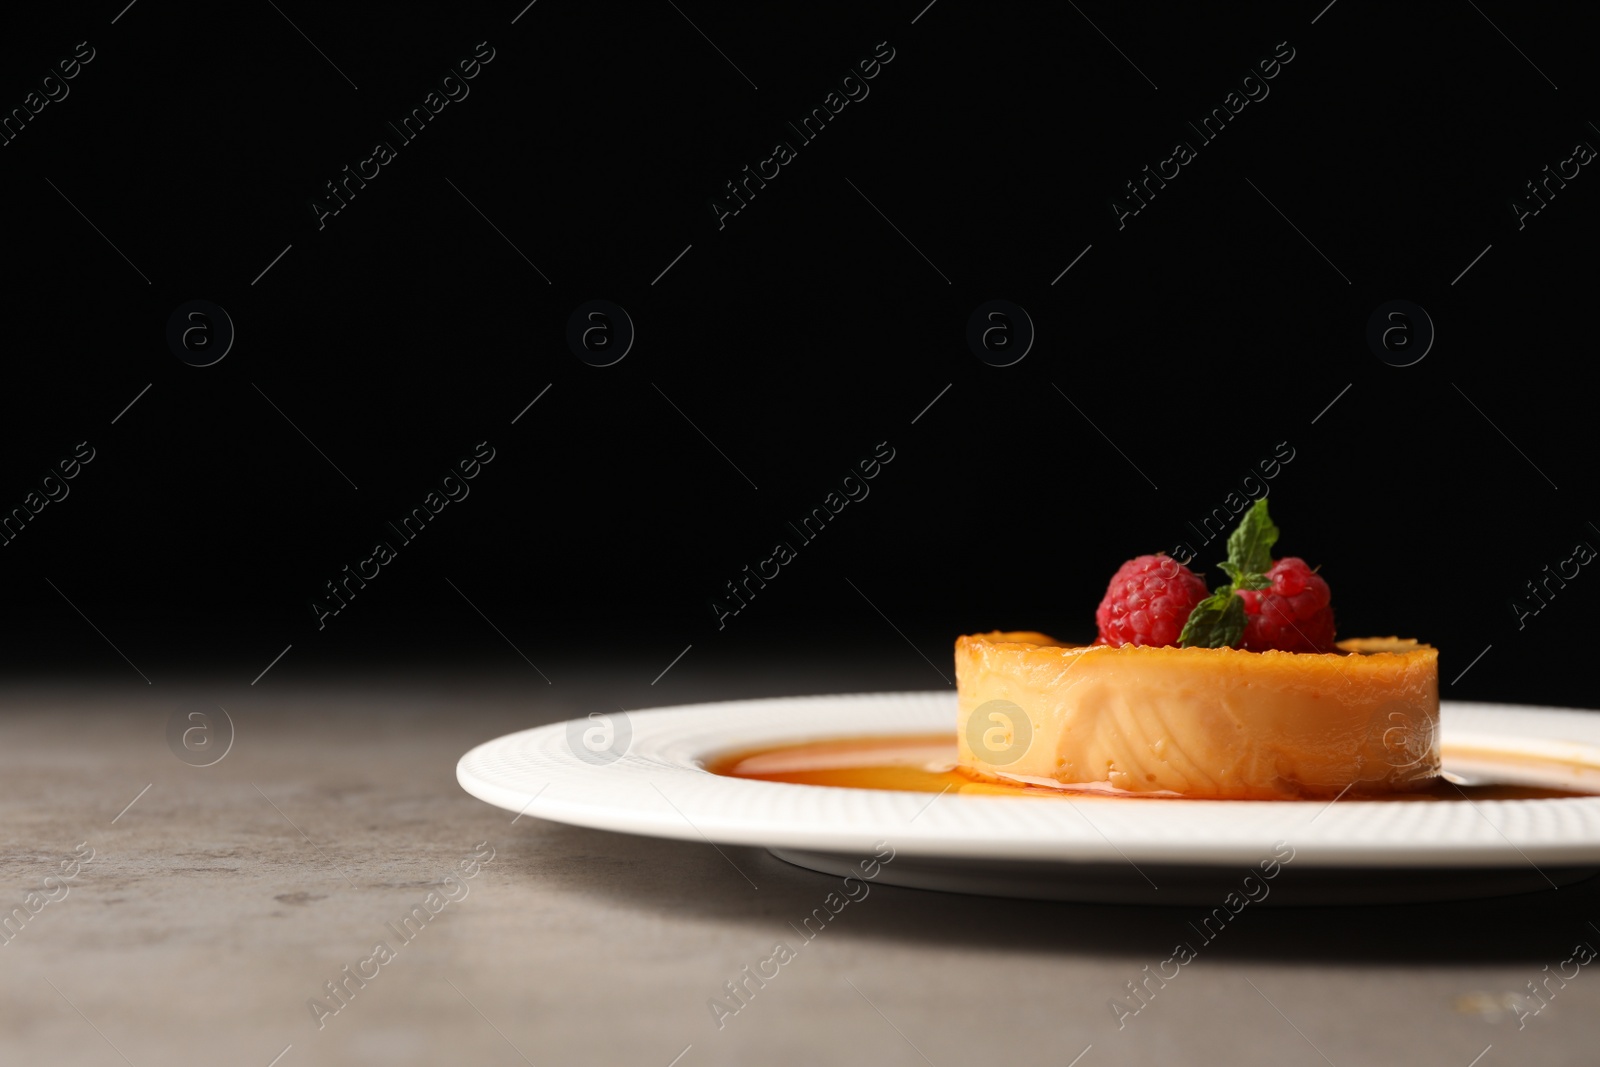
pixel 1202 722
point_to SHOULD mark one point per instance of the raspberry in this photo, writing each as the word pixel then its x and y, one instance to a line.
pixel 1148 601
pixel 1292 616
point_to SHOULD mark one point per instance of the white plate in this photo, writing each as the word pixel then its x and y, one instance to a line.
pixel 643 773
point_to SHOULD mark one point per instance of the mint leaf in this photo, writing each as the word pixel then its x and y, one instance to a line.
pixel 1252 581
pixel 1243 579
pixel 1216 622
pixel 1250 546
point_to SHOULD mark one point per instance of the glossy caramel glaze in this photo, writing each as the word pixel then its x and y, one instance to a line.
pixel 926 763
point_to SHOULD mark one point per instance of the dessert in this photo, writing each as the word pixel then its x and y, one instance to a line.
pixel 1242 693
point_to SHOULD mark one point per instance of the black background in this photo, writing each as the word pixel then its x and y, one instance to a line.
pixel 818 322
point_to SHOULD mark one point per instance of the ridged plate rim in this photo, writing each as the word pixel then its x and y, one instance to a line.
pixel 659 787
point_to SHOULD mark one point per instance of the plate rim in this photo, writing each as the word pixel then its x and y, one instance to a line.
pixel 723 810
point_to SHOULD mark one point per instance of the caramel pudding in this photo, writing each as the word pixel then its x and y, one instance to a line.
pixel 1198 722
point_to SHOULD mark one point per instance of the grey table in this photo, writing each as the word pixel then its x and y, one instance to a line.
pixel 224 899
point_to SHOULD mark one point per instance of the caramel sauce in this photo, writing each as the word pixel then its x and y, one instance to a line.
pixel 926 763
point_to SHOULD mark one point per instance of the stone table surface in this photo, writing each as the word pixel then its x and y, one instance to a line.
pixel 217 906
